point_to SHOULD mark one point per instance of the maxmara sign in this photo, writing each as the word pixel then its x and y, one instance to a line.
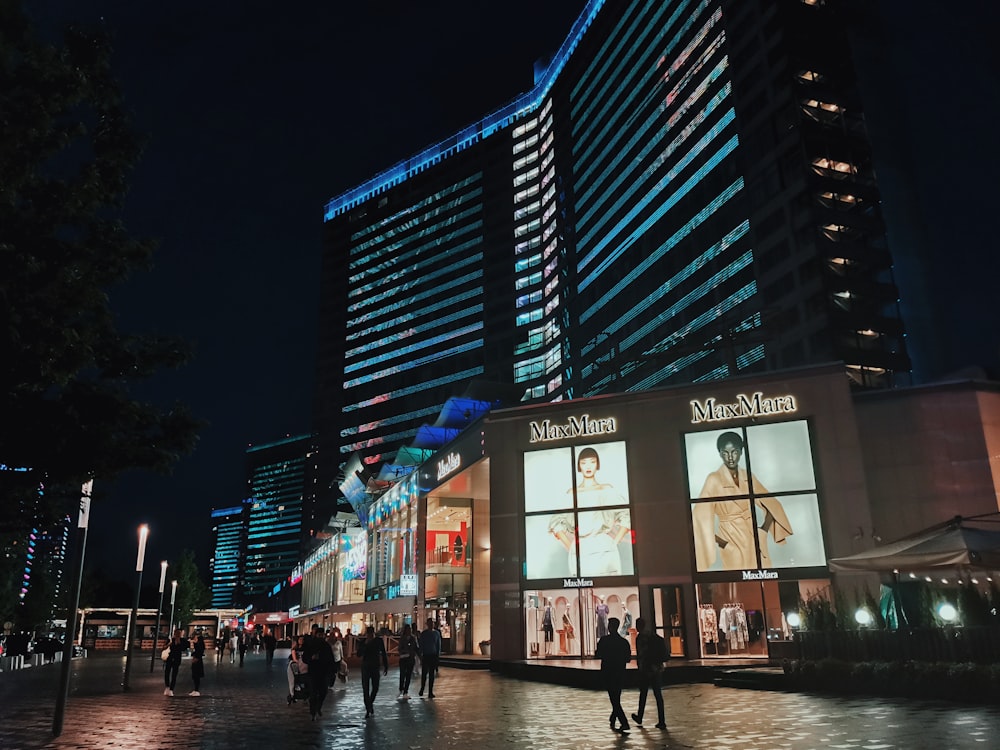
pixel 448 464
pixel 759 575
pixel 582 426
pixel 711 410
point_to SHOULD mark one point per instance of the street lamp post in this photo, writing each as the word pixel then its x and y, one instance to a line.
pixel 173 597
pixel 159 609
pixel 143 533
pixel 77 582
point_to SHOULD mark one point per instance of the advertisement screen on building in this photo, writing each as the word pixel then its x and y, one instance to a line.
pixel 577 518
pixel 765 467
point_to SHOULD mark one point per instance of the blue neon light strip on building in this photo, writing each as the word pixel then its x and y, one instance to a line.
pixel 669 203
pixel 411 364
pixel 474 133
pixel 417 388
pixel 405 351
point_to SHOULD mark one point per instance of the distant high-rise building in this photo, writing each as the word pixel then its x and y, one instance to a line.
pixel 274 523
pixel 687 193
pixel 229 526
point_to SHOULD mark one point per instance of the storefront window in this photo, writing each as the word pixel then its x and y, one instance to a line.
pixel 569 622
pixel 767 467
pixel 577 519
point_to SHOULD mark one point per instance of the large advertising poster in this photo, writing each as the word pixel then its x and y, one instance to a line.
pixel 577 520
pixel 768 468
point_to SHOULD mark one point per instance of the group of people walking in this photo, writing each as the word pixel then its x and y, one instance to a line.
pixel 615 653
pixel 317 661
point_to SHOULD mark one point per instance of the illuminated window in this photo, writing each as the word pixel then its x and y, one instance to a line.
pixel 810 75
pixel 831 199
pixel 525 160
pixel 833 168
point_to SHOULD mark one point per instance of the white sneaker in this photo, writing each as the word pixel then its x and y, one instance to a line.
pixel 166 691
pixel 400 697
pixel 194 693
pixel 170 692
pixel 406 696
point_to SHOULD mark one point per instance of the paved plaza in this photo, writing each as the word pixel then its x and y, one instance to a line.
pixel 474 710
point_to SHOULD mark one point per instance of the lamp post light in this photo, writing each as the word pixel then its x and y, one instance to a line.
pixel 173 598
pixel 159 609
pixel 129 648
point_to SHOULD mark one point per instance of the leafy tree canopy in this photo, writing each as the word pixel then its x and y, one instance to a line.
pixel 66 371
pixel 192 593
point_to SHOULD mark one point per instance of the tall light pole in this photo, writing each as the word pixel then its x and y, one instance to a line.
pixel 159 609
pixel 77 580
pixel 173 597
pixel 143 534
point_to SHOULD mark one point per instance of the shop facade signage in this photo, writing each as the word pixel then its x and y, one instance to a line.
pixel 408 584
pixel 760 575
pixel 448 464
pixel 744 407
pixel 578 583
pixel 582 426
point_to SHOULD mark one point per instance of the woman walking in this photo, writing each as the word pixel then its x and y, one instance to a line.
pixel 197 663
pixel 407 659
pixel 178 645
pixel 373 655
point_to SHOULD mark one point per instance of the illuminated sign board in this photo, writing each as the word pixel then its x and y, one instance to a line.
pixel 448 464
pixel 744 407
pixel 582 426
pixel 577 583
pixel 760 575
pixel 408 585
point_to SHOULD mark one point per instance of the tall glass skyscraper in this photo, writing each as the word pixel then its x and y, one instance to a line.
pixel 687 193
pixel 229 546
pixel 274 521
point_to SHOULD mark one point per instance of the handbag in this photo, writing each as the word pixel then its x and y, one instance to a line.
pixel 165 654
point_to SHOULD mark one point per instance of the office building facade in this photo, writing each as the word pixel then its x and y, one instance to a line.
pixel 274 519
pixel 686 194
pixel 228 551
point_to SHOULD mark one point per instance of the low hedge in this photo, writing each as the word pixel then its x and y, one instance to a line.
pixel 967 682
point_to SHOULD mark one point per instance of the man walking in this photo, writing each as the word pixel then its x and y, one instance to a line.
pixel 430 654
pixel 270 644
pixel 651 652
pixel 614 653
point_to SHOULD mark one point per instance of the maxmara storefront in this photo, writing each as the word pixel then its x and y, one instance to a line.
pixel 710 510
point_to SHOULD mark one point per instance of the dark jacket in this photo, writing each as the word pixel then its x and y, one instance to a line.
pixel 373 653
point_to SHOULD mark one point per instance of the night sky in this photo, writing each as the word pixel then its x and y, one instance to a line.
pixel 257 113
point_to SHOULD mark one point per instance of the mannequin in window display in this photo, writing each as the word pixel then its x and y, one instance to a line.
pixel 569 632
pixel 601 611
pixel 547 626
pixel 626 622
pixel 733 541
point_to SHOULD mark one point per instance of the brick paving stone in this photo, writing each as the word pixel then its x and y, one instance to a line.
pixel 474 710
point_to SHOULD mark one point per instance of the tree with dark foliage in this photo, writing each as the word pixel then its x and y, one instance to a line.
pixel 67 412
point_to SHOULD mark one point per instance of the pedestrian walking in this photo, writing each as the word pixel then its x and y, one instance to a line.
pixel 178 645
pixel 373 656
pixel 220 645
pixel 197 663
pixel 429 644
pixel 243 645
pixel 234 640
pixel 614 653
pixel 339 675
pixel 407 660
pixel 297 669
pixel 270 644
pixel 650 652
pixel 318 656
